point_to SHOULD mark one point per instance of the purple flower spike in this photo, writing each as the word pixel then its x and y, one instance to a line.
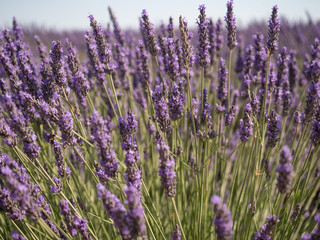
pixel 203 45
pixel 274 29
pixel 222 91
pixel 265 231
pixel 312 101
pixel 223 220
pixel 231 26
pixel 73 221
pixel 162 113
pixel 166 168
pixel 176 235
pixel 176 101
pixel 102 46
pixel 135 215
pixel 285 171
pixel 101 135
pixel 148 34
pixel 115 209
pixel 57 64
pixel 246 124
pixel 16 236
pixel 273 129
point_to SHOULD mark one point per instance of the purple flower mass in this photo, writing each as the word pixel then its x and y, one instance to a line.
pixel 203 46
pixel 274 29
pixel 231 25
pixel 125 133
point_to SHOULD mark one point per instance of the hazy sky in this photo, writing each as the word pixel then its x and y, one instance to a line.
pixel 73 14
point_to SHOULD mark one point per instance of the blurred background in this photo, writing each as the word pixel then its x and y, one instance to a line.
pixel 73 14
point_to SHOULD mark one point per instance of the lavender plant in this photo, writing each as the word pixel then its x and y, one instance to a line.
pixel 112 135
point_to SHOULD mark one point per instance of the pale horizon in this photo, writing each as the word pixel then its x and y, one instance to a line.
pixel 73 15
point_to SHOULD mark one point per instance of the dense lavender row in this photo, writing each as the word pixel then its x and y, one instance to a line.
pixel 166 133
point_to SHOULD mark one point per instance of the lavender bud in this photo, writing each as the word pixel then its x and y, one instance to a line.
pixel 176 102
pixel 265 231
pixel 246 125
pixel 312 101
pixel 203 45
pixel 274 29
pixel 102 46
pixel 166 168
pixel 295 214
pixel 57 64
pixel 135 216
pixel 285 171
pixel 16 236
pixel 149 34
pixel 273 129
pixel 162 113
pixel 231 25
pixel 223 220
pixel 115 209
pixel 176 235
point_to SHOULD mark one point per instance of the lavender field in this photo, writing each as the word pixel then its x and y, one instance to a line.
pixel 170 132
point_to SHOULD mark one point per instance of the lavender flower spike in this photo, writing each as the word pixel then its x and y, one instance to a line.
pixel 204 45
pixel 102 46
pixel 274 29
pixel 176 235
pixel 135 217
pixel 273 128
pixel 265 231
pixel 148 33
pixel 166 168
pixel 57 64
pixel 115 210
pixel 246 124
pixel 285 171
pixel 231 25
pixel 222 221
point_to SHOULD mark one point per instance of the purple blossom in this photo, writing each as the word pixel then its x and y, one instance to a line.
pixel 115 209
pixel 73 221
pixel 176 102
pixel 223 220
pixel 102 46
pixel 186 46
pixel 148 34
pixel 203 45
pixel 176 235
pixel 246 124
pixel 222 91
pixel 135 214
pixel 171 60
pixel 311 101
pixel 231 25
pixel 274 29
pixel 57 64
pixel 285 171
pixel 16 236
pixel 273 129
pixel 116 28
pixel 94 57
pixel 265 231
pixel 206 109
pixel 101 135
pixel 66 127
pixel 162 113
pixel 63 170
pixel 230 115
pixel 166 168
